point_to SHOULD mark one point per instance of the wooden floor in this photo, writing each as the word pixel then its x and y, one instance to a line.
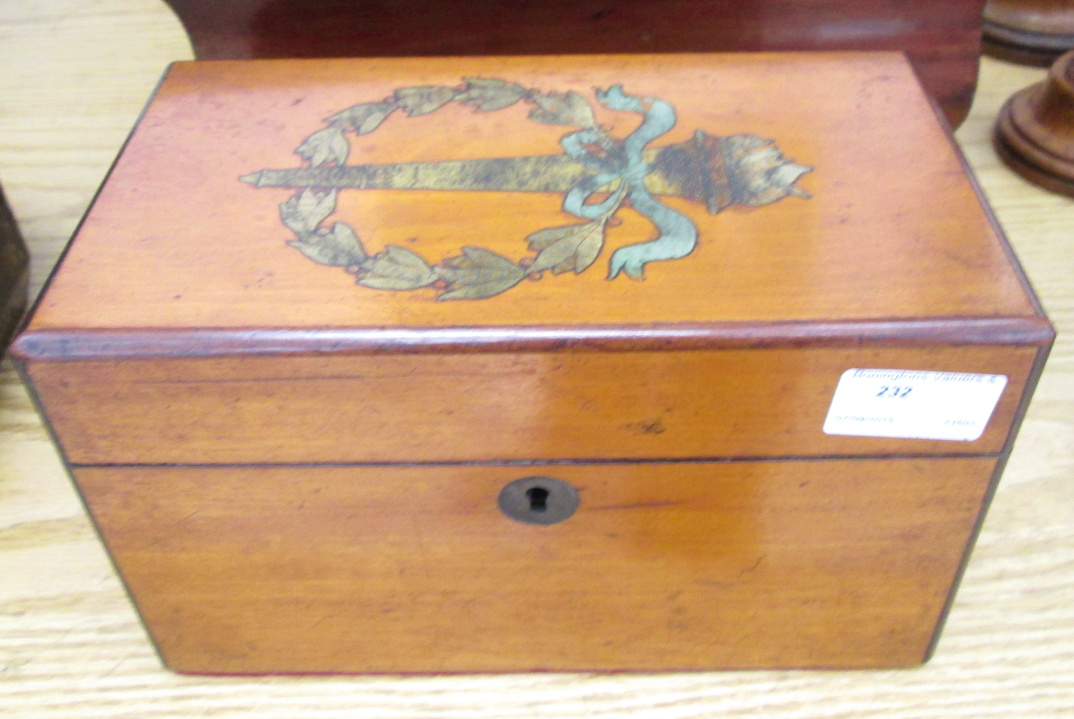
pixel 75 75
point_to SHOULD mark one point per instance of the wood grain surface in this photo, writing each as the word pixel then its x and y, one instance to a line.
pixel 70 643
pixel 415 569
pixel 888 201
pixel 438 408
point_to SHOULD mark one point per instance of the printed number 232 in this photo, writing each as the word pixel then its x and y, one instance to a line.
pixel 893 391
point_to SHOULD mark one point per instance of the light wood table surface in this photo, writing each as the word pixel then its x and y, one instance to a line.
pixel 74 77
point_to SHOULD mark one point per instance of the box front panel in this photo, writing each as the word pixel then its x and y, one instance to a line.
pixel 663 566
pixel 491 407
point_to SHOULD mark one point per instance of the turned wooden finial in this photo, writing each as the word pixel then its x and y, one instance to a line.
pixel 1035 131
pixel 1028 32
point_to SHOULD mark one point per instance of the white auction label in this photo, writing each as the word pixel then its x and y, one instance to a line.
pixel 912 404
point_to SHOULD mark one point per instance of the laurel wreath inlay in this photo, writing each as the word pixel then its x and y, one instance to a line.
pixel 720 171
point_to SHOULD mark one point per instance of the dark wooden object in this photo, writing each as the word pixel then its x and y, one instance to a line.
pixel 942 39
pixel 1035 131
pixel 14 273
pixel 297 464
pixel 1029 32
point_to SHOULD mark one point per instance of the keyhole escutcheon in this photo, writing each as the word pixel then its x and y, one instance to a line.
pixel 538 500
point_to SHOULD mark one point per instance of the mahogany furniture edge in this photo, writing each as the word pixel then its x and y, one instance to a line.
pixel 997 474
pixel 58 344
pixel 942 39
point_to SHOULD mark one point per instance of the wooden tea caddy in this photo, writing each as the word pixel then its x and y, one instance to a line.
pixel 348 364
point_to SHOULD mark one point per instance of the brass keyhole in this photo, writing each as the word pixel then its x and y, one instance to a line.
pixel 538 500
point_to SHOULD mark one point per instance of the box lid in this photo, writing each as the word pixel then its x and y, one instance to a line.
pixel 535 201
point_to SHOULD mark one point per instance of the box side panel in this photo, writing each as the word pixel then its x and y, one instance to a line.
pixel 490 407
pixel 827 563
